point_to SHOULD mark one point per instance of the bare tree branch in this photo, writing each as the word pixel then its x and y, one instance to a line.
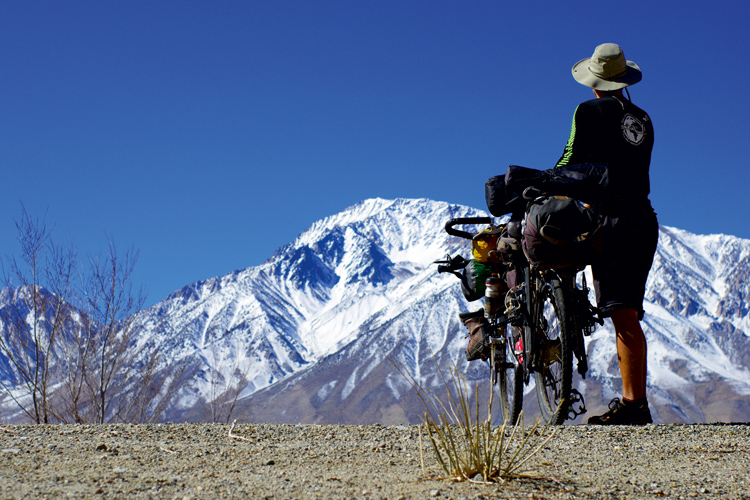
pixel 71 340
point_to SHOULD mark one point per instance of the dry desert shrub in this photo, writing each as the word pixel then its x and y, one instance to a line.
pixel 466 445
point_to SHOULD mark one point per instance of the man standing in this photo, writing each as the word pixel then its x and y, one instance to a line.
pixel 611 129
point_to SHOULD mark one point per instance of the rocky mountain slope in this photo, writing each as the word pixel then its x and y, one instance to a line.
pixel 319 330
pixel 325 329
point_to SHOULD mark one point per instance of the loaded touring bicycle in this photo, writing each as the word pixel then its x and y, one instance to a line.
pixel 527 270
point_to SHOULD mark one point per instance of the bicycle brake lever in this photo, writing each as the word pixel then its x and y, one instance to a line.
pixel 446 261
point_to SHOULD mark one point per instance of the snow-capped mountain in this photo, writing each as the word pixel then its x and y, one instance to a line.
pixel 319 329
pixel 325 329
pixel 345 281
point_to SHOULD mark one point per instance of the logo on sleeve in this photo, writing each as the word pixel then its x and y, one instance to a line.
pixel 632 129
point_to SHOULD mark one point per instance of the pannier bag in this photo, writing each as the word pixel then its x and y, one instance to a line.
pixel 484 245
pixel 586 181
pixel 487 261
pixel 561 233
pixel 479 337
pixel 500 198
pixel 473 278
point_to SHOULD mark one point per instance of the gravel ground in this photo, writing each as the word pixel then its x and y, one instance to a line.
pixel 197 461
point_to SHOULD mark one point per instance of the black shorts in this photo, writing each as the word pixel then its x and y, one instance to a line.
pixel 629 243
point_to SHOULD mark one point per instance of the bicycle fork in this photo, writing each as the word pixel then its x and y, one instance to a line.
pixel 519 316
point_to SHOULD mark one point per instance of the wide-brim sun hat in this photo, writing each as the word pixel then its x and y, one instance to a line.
pixel 607 69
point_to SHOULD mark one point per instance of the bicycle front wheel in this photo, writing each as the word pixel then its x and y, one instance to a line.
pixel 508 377
pixel 553 375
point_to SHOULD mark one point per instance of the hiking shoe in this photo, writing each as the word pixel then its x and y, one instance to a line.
pixel 624 413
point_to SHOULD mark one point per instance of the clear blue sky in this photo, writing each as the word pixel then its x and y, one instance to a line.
pixel 208 134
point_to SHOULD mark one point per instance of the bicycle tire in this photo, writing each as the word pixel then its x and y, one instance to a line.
pixel 509 382
pixel 553 375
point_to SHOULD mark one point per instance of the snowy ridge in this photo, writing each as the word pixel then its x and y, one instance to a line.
pixel 319 332
pixel 314 296
pixel 322 322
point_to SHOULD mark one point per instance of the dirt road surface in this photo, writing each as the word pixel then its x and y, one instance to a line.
pixel 207 461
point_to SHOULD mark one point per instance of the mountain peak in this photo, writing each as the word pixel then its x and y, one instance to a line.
pixel 324 312
pixel 313 333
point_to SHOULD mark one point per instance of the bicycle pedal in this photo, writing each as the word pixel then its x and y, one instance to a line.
pixel 575 397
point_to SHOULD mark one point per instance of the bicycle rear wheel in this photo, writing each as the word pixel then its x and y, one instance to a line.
pixel 553 374
pixel 508 376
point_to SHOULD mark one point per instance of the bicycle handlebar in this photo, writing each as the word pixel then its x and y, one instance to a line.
pixel 451 264
pixel 450 229
pixel 445 269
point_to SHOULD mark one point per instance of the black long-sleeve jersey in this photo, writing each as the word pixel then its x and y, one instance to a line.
pixel 615 131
